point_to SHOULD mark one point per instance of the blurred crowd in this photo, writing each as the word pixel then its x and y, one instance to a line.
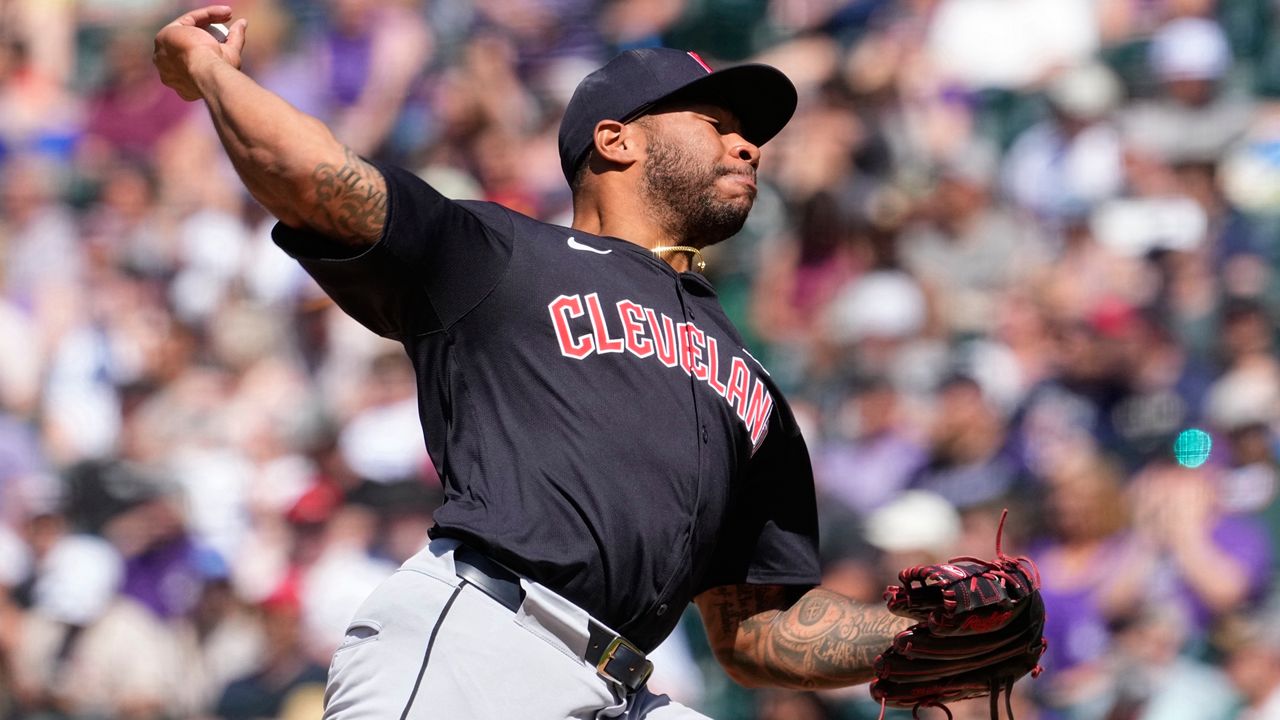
pixel 1006 252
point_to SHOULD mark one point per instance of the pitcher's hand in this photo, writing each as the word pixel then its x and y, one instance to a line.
pixel 183 48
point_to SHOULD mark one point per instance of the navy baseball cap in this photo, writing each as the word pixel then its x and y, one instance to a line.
pixel 635 81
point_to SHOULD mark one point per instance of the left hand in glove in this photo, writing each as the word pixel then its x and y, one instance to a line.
pixel 979 628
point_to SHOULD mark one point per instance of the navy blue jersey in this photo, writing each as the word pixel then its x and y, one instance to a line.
pixel 596 421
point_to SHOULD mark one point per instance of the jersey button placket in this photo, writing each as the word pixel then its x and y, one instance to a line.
pixel 701 430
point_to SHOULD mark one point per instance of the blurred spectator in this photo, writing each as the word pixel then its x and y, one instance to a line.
pixel 916 528
pixel 804 273
pixel 1101 261
pixel 37 113
pixel 1005 251
pixel 330 564
pixel 286 675
pixel 161 570
pixel 83 649
pixel 382 442
pixel 1061 167
pixel 222 640
pixel 869 459
pixel 370 55
pixel 1209 562
pixel 1236 253
pixel 1194 117
pixel 1087 514
pixel 872 321
pixel 1020 348
pixel 132 112
pixel 548 35
pixel 970 462
pixel 966 249
pixel 38 238
pixel 1151 680
pixel 1249 388
pixel 1073 408
pixel 1248 169
pixel 1251 483
pixel 1253 664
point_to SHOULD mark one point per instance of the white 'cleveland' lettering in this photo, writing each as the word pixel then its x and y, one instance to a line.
pixel 646 333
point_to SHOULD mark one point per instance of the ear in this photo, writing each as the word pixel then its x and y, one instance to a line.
pixel 617 142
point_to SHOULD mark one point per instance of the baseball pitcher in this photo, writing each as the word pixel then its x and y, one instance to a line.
pixel 610 451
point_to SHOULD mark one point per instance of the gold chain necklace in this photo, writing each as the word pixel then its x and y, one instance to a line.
pixel 698 262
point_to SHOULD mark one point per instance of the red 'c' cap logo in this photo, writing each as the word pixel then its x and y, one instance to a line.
pixel 699 60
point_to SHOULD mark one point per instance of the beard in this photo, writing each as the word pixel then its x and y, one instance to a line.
pixel 682 196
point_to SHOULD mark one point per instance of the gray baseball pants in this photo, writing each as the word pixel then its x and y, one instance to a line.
pixel 426 645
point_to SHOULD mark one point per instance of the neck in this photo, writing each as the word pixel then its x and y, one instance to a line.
pixel 626 218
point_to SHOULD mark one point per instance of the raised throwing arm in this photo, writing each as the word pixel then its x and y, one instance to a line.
pixel 289 161
pixel 821 640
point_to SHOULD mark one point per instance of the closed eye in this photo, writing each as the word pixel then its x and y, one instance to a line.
pixel 722 126
pixel 723 121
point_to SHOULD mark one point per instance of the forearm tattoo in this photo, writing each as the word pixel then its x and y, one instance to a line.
pixel 351 200
pixel 823 640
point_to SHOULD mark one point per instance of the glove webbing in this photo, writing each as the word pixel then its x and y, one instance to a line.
pixel 996 685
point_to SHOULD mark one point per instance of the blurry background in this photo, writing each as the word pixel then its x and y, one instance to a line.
pixel 1004 253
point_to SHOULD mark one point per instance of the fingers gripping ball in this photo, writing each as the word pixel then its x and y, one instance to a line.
pixel 218 31
pixel 979 627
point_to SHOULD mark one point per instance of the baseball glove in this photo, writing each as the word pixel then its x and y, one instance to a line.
pixel 979 627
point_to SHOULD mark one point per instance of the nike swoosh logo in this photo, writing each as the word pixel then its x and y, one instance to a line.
pixel 579 246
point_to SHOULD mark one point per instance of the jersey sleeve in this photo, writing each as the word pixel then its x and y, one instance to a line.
pixel 435 261
pixel 772 534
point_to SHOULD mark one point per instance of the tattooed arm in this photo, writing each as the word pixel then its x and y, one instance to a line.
pixel 821 640
pixel 289 161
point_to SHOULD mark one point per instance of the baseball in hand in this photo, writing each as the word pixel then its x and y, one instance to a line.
pixel 218 31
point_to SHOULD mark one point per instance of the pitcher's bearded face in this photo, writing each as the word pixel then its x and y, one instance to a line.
pixel 695 189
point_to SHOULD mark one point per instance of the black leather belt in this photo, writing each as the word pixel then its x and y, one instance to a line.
pixel 614 657
pixel 495 580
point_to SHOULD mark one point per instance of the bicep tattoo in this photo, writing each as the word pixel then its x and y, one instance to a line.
pixel 351 200
pixel 822 640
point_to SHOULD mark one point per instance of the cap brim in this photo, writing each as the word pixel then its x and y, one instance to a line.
pixel 762 98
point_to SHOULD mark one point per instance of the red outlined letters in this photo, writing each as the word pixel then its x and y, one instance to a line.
pixel 563 308
pixel 646 333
